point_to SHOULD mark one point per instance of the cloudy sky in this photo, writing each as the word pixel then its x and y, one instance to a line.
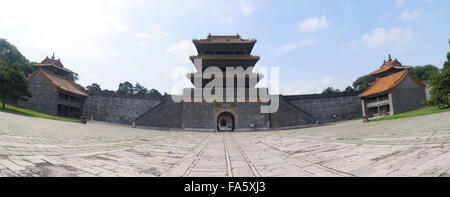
pixel 315 44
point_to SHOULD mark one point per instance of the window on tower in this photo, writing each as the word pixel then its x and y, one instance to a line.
pixel 224 53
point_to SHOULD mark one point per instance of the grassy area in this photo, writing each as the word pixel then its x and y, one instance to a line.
pixel 31 113
pixel 357 118
pixel 417 112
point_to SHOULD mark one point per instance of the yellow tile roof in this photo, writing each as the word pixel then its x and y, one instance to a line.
pixel 388 83
pixel 59 82
pixel 386 68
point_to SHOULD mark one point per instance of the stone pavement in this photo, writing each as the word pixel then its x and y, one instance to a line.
pixel 418 146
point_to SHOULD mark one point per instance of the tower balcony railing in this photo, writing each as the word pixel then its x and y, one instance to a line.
pixel 376 103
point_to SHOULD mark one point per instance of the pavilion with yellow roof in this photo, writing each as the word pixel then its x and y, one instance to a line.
pixel 394 91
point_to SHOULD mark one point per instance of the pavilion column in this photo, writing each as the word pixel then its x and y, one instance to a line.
pixel 391 105
pixel 364 107
pixel 68 107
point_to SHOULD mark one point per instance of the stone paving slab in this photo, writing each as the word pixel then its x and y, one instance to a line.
pixel 418 146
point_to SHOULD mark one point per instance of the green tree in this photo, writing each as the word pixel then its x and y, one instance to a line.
pixel 10 55
pixel 73 77
pixel 363 82
pixel 349 89
pixel 13 83
pixel 108 91
pixel 331 90
pixel 447 63
pixel 125 88
pixel 140 90
pixel 440 86
pixel 440 92
pixel 81 87
pixel 424 73
pixel 154 92
pixel 94 88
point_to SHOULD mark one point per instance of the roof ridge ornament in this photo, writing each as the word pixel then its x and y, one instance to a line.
pixel 390 59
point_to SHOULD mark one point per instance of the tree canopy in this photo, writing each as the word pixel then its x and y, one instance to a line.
pixel 140 90
pixel 10 55
pixel 447 63
pixel 363 82
pixel 93 89
pixel 440 91
pixel 440 86
pixel 154 92
pixel 349 89
pixel 423 73
pixel 331 90
pixel 125 88
pixel 13 83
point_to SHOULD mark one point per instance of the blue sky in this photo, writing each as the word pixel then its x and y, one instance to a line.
pixel 315 44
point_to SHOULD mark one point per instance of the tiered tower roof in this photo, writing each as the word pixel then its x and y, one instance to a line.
pixel 53 65
pixel 390 66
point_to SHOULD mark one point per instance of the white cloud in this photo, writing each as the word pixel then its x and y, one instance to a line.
pixel 409 16
pixel 394 37
pixel 313 24
pixel 246 8
pixel 156 34
pixel 304 43
pixel 65 27
pixel 182 50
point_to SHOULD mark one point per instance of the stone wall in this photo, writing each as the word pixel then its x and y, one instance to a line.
pixel 119 109
pixel 289 115
pixel 249 113
pixel 326 108
pixel 408 96
pixel 43 97
pixel 166 114
pixel 198 116
pixel 162 112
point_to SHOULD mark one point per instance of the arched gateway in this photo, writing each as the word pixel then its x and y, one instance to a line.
pixel 225 122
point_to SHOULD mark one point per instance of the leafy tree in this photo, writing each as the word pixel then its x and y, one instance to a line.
pixel 154 92
pixel 363 82
pixel 9 54
pixel 349 89
pixel 140 90
pixel 94 88
pixel 447 63
pixel 13 83
pixel 440 92
pixel 108 91
pixel 73 77
pixel 81 87
pixel 424 73
pixel 331 90
pixel 125 88
pixel 440 86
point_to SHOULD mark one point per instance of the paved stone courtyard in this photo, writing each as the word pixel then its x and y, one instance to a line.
pixel 418 146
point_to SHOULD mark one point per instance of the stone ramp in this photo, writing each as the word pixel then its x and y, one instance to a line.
pixel 165 115
pixel 288 115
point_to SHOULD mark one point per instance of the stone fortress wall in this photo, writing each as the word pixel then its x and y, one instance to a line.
pixel 162 112
pixel 328 108
pixel 118 109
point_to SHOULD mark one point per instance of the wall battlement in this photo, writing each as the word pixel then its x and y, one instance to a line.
pixel 295 110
